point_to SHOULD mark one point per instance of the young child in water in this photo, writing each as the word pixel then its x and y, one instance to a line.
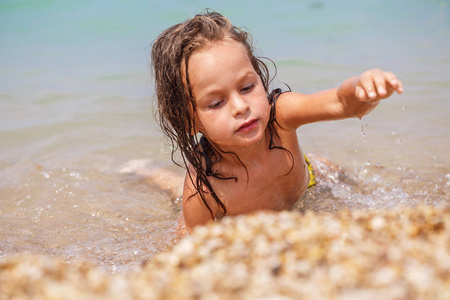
pixel 237 139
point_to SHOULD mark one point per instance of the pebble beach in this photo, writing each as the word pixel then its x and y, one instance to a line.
pixel 382 254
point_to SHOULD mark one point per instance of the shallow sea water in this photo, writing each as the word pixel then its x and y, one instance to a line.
pixel 76 108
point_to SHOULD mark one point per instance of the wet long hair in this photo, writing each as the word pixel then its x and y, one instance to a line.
pixel 176 106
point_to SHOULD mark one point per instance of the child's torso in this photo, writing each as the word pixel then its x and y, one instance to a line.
pixel 271 184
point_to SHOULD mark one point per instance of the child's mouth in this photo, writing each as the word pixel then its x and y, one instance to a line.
pixel 248 126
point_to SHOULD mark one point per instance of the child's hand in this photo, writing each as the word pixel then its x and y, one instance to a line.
pixel 376 84
pixel 360 95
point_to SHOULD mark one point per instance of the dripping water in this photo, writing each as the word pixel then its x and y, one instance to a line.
pixel 362 130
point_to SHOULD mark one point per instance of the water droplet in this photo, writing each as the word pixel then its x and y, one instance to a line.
pixel 362 131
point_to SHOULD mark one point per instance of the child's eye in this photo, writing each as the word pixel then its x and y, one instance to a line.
pixel 248 88
pixel 215 104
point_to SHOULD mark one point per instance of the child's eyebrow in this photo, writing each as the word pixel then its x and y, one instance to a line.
pixel 246 75
pixel 210 91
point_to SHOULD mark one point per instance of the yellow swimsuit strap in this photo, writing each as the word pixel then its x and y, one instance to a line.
pixel 312 176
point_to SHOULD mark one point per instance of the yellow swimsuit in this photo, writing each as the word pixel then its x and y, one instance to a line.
pixel 312 176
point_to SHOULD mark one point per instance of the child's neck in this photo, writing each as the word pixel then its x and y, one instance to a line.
pixel 250 154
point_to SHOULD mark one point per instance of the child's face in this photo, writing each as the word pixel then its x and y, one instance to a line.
pixel 232 106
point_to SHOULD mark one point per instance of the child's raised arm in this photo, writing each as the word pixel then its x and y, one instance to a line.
pixel 355 97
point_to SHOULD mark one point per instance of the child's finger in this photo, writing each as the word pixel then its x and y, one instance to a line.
pixel 367 84
pixel 360 93
pixel 394 82
pixel 380 84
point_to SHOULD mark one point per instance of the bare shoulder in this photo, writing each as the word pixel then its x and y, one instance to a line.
pixel 195 210
pixel 288 108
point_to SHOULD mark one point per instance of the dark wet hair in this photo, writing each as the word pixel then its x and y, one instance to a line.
pixel 176 106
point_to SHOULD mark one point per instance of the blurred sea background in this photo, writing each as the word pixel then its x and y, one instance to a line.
pixel 76 105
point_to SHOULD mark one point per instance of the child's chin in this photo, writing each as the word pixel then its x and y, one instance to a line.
pixel 253 140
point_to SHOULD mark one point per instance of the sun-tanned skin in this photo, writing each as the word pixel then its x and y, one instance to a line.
pixel 233 113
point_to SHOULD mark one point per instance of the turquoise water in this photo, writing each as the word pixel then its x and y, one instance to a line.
pixel 70 45
pixel 76 106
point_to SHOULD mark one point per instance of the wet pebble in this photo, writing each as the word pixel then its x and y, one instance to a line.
pixel 382 254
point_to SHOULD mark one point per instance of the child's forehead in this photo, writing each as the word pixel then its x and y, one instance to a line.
pixel 235 47
pixel 228 43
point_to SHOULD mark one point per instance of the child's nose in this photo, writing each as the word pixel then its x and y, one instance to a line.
pixel 240 106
